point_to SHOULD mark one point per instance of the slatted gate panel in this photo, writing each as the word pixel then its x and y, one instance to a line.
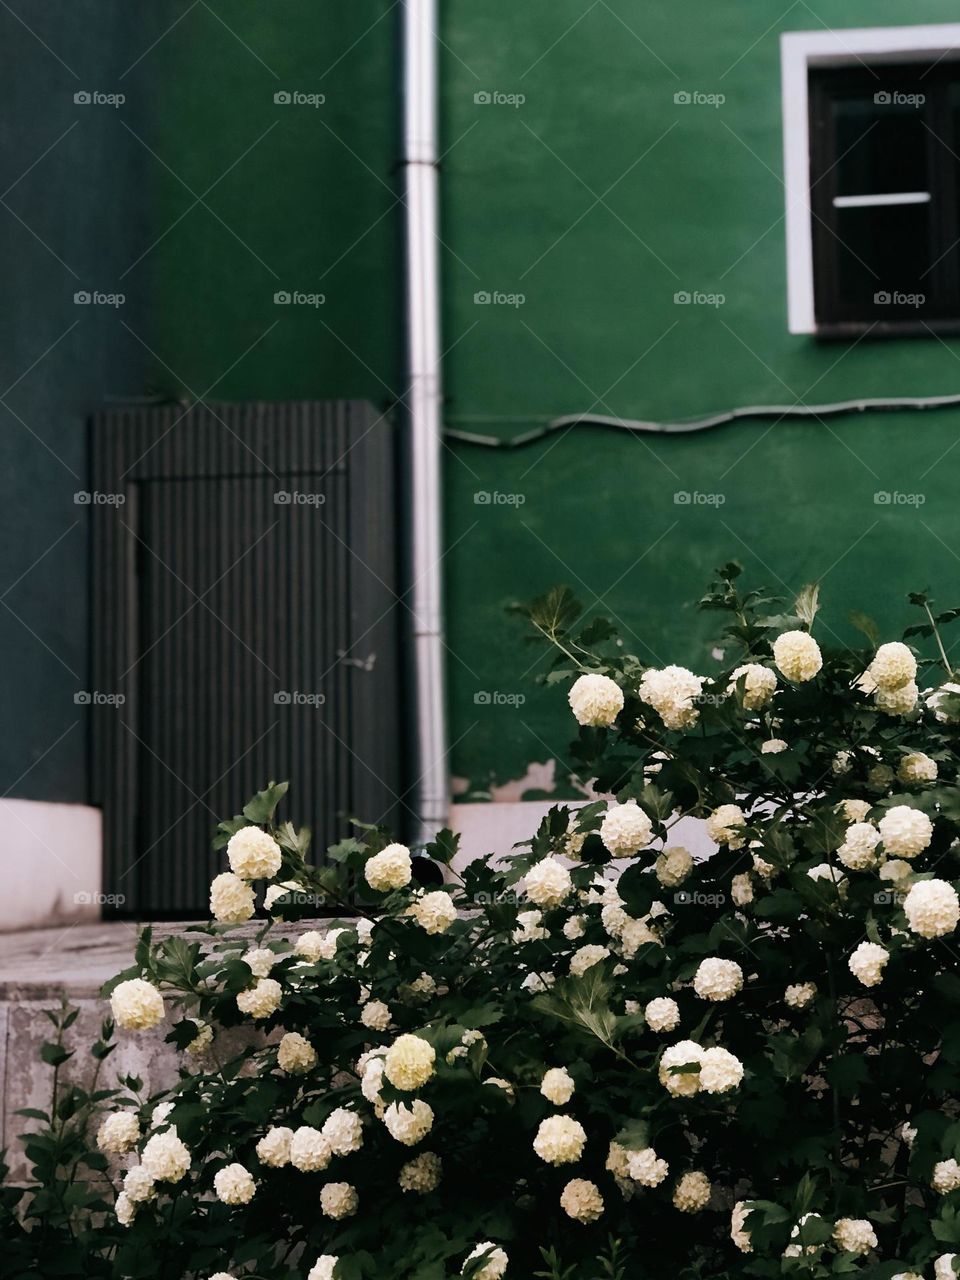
pixel 245 628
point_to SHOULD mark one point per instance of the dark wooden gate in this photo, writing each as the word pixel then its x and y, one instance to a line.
pixel 245 628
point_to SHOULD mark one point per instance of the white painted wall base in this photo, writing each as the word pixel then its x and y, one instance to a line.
pixel 52 864
pixel 496 828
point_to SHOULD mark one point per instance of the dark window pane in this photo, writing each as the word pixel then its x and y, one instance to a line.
pixel 882 251
pixel 879 148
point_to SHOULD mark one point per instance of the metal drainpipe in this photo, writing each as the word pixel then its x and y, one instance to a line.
pixel 424 400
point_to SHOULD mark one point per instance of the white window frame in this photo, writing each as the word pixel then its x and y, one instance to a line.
pixel 799 51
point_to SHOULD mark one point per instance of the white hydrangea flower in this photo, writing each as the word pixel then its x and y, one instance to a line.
pixel 662 1014
pixel 557 1086
pixel 277 891
pixel 720 1070
pixel 673 866
pixel 908 1133
pixel 824 871
pixel 529 927
pixel 585 958
pixel 943 1267
pixel 932 908
pixel 253 854
pixel 937 702
pixel 262 999
pixel 322 1269
pixel 773 746
pixel 574 928
pixel 314 946
pixel 595 700
pixel 295 1054
pixel 797 655
pixel 231 899
pixel 893 666
pixel 138 1185
pixel 119 1133
pixel 343 1130
pixel 136 1005
pixel 425 985
pixel 494 1266
pixel 560 1140
pixel 916 767
pixel 160 1114
pixel 338 1200
pixel 126 1209
pixel 202 1041
pixel 759 685
pixel 581 1200
pixel 618 1160
pixel 646 1167
pixel 422 1174
pixel 946 1177
pixel 672 692
pixel 409 1062
pixel 741 889
pixel 371 1081
pixel 391 868
pixel 800 994
pixel 634 935
pixel 859 848
pixel 897 702
pixel 855 810
pixel 682 1084
pixel 614 918
pixel 310 1152
pixel 895 870
pixel 717 979
pixel 165 1157
pixel 375 1015
pixel 855 1235
pixel 905 831
pixel 867 963
pixel 408 1123
pixel 273 1149
pixel 738 1233
pixel 625 829
pixel 433 912
pixel 692 1192
pixel 234 1185
pixel 548 882
pixel 724 823
pixel 766 870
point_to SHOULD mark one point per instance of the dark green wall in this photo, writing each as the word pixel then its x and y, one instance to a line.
pixel 291 198
pixel 695 202
pixel 309 201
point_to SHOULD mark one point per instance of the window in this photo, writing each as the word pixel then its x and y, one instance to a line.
pixel 872 162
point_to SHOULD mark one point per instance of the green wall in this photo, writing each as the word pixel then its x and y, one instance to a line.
pixel 308 199
pixel 695 202
pixel 297 198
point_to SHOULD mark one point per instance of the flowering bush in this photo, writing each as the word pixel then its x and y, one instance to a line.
pixel 603 1056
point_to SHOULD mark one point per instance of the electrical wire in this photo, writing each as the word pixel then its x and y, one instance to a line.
pixel 638 426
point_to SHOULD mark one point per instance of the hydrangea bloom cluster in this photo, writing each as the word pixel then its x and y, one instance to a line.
pixel 723 1044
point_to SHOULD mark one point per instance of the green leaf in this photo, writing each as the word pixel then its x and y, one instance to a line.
pixel 263 806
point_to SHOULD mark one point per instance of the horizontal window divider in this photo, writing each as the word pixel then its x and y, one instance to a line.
pixel 879 199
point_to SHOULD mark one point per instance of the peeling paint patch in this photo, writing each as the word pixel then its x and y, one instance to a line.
pixel 540 779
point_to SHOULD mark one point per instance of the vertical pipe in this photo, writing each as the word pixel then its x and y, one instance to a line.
pixel 424 400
